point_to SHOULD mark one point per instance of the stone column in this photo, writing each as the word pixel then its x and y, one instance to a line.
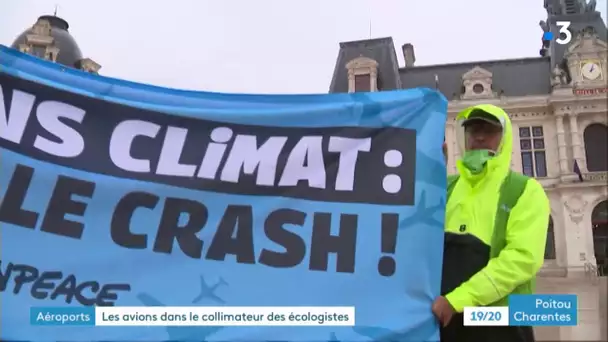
pixel 351 80
pixel 448 140
pixel 455 150
pixel 373 79
pixel 577 223
pixel 576 142
pixel 561 144
pixel 603 286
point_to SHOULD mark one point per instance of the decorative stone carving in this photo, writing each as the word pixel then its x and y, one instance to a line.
pixel 576 208
pixel 89 65
pixel 596 108
pixel 42 28
pixel 362 66
pixel 362 63
pixel 596 177
pixel 588 32
pixel 40 34
pixel 477 84
pixel 576 204
pixel 576 219
pixel 562 110
pixel 587 47
pixel 24 48
pixel 526 115
pixel 543 25
pixel 559 77
pixel 587 41
pixel 40 42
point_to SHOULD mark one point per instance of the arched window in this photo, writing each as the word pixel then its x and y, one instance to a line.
pixel 590 30
pixel 599 221
pixel 596 147
pixel 550 246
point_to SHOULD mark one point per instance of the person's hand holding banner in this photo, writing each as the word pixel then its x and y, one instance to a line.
pixel 443 310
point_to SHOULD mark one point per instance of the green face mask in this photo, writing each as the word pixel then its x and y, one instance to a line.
pixel 475 160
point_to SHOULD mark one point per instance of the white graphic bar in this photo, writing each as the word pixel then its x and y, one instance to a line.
pixel 224 316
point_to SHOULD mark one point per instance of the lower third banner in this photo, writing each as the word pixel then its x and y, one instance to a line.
pixel 135 200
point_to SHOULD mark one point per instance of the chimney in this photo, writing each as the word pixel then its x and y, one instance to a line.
pixel 408 55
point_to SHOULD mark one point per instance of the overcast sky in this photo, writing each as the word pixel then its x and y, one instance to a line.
pixel 276 46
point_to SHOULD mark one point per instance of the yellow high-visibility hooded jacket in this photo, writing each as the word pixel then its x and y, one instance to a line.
pixel 471 276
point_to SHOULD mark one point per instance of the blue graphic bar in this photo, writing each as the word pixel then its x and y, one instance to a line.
pixel 543 310
pixel 67 316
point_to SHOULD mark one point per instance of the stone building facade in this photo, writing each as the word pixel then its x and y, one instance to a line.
pixel 558 106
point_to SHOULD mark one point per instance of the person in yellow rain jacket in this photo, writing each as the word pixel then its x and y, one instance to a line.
pixel 495 229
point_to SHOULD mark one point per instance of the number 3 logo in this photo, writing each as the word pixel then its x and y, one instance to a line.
pixel 563 30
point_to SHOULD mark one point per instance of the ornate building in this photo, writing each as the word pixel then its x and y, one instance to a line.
pixel 558 106
pixel 49 39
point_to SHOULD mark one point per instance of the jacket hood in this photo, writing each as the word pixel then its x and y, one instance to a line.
pixel 499 165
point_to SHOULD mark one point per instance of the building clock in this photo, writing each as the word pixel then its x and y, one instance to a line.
pixel 591 70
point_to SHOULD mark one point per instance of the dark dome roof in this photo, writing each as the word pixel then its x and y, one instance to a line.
pixel 69 52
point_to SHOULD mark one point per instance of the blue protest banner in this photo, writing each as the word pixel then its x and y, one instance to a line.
pixel 128 197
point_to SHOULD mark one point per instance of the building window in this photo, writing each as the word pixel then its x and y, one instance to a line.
pixel 532 146
pixel 38 51
pixel 362 75
pixel 572 6
pixel 596 147
pixel 550 244
pixel 477 84
pixel 363 83
pixel 599 221
pixel 478 88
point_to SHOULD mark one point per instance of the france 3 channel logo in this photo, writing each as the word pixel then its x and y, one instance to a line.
pixel 527 310
pixel 564 36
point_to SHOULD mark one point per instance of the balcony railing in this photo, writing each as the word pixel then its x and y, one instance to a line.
pixel 600 176
pixel 595 271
